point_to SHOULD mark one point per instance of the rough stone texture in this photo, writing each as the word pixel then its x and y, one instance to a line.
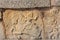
pixel 50 24
pixel 23 25
pixel 32 24
pixel 24 3
pixel 28 3
pixel 55 2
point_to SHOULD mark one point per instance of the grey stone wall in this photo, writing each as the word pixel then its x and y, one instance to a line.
pixel 28 3
pixel 24 3
pixel 39 20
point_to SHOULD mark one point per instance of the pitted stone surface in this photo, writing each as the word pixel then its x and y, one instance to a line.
pixel 24 3
pixel 23 25
pixel 32 24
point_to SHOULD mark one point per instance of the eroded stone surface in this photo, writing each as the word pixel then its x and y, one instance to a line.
pixel 51 24
pixel 23 25
pixel 32 24
pixel 58 22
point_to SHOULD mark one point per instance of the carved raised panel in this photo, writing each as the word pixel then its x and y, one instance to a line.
pixel 26 25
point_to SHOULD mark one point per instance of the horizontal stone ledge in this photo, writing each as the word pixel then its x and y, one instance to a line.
pixel 24 3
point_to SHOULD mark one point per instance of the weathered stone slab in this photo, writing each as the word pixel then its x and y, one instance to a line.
pixel 23 25
pixel 52 24
pixel 55 2
pixel 24 3
pixel 32 24
pixel 58 22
